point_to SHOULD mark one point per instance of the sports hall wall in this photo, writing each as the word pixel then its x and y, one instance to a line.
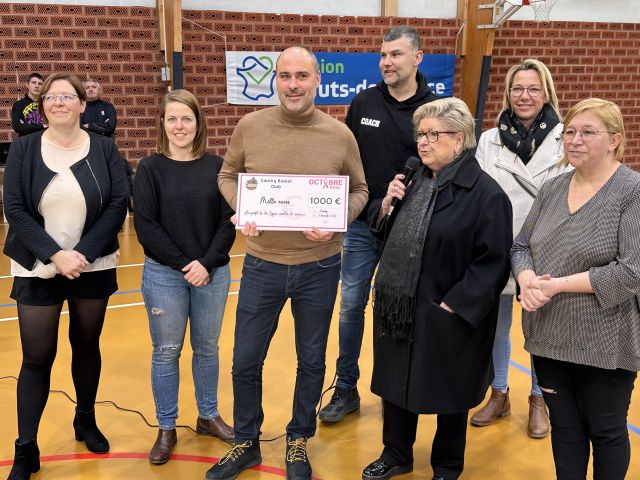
pixel 119 46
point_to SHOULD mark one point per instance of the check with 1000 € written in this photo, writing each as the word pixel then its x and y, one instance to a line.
pixel 293 202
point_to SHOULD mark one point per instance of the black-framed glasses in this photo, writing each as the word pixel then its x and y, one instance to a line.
pixel 532 91
pixel 586 134
pixel 64 98
pixel 432 136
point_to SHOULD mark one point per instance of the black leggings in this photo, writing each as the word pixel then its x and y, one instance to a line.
pixel 39 338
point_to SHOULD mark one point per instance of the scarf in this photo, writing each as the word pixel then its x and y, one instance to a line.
pixel 523 142
pixel 394 294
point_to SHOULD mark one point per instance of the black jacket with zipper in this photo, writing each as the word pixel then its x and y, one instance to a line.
pixel 103 183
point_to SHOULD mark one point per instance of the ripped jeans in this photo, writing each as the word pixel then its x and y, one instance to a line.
pixel 588 407
pixel 170 300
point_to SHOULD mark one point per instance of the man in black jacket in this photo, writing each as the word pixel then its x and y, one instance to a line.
pixel 381 120
pixel 25 115
pixel 99 116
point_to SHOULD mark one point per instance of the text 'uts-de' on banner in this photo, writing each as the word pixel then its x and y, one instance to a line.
pixel 251 76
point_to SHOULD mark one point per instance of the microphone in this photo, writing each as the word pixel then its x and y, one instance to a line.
pixel 409 170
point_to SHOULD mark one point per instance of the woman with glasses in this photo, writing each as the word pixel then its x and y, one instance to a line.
pixel 521 153
pixel 444 264
pixel 577 262
pixel 183 223
pixel 65 200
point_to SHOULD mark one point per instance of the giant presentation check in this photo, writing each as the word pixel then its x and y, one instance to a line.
pixel 293 202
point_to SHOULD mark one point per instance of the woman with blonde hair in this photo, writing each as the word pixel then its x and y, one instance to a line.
pixel 183 224
pixel 577 262
pixel 521 153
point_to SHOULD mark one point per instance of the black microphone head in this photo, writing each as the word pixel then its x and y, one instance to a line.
pixel 413 163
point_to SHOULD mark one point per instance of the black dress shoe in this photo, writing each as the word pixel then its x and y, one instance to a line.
pixel 379 470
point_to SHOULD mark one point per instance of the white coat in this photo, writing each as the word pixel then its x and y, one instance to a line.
pixel 521 182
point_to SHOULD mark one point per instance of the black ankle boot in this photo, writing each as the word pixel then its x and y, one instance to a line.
pixel 84 424
pixel 26 461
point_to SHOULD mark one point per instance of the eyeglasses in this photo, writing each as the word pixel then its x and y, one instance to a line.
pixel 532 91
pixel 586 134
pixel 432 136
pixel 64 98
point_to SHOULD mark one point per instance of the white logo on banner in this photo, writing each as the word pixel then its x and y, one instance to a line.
pixel 251 78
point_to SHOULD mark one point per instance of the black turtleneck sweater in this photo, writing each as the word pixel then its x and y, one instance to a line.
pixel 384 131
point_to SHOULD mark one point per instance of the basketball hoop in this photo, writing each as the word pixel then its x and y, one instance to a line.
pixel 541 8
pixel 503 10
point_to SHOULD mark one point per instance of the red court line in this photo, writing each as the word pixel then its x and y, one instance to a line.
pixel 143 455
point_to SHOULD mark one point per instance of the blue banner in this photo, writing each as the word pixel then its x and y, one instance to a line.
pixel 251 76
pixel 345 74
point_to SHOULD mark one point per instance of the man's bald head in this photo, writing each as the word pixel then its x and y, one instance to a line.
pixel 297 80
pixel 299 52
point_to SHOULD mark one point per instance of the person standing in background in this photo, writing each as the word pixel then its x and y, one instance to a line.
pixel 25 114
pixel 521 153
pixel 100 116
pixel 380 119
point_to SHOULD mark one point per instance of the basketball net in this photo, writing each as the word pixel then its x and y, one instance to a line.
pixel 541 8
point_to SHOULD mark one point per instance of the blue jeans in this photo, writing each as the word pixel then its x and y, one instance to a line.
pixel 360 255
pixel 265 287
pixel 170 300
pixel 502 349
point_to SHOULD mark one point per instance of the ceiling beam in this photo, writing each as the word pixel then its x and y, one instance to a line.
pixel 476 46
pixel 389 8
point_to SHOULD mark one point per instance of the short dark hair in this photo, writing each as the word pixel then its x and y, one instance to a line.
pixel 34 75
pixel 69 77
pixel 400 31
pixel 187 98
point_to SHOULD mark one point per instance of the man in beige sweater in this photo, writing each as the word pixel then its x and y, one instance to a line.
pixel 292 138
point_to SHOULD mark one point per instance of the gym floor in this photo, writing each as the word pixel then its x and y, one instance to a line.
pixel 341 451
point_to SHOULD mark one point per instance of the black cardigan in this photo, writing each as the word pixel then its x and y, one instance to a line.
pixel 103 183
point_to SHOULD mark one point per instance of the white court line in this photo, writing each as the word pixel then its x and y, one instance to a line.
pixel 129 265
pixel 111 307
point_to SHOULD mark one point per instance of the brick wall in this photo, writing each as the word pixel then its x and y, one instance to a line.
pixel 586 59
pixel 119 46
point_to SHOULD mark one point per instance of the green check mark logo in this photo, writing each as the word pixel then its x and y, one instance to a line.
pixel 266 60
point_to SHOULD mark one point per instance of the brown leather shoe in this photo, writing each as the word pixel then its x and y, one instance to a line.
pixel 165 443
pixel 538 426
pixel 215 427
pixel 497 406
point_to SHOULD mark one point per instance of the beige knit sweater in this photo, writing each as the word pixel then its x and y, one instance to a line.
pixel 275 142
